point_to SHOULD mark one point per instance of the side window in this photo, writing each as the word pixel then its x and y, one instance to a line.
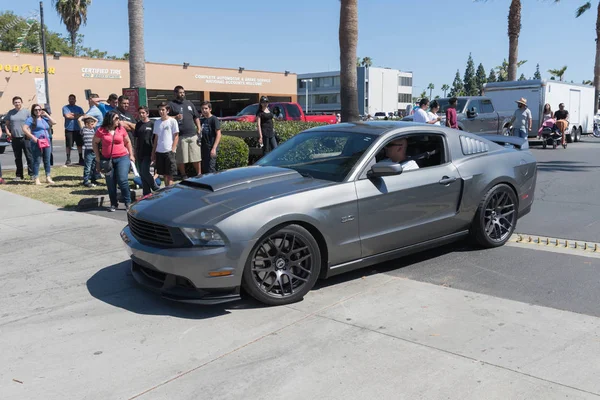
pixel 474 106
pixel 293 112
pixel 424 150
pixel 487 106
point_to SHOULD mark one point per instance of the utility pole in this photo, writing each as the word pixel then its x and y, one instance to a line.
pixel 42 29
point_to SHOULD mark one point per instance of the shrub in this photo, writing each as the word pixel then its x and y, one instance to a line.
pixel 233 153
pixel 284 129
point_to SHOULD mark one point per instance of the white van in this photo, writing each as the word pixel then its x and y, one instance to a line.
pixel 578 101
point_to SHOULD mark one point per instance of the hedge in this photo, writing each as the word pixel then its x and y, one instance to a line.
pixel 232 153
pixel 284 129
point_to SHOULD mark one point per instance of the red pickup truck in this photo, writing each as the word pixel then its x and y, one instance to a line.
pixel 289 112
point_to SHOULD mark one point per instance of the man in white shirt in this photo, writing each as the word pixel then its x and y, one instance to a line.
pixel 166 137
pixel 421 113
pixel 396 152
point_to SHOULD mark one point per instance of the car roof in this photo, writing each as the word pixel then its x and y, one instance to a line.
pixel 371 127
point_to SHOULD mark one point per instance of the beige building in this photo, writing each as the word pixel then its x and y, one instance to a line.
pixel 229 90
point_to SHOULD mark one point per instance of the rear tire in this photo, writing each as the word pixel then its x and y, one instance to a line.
pixel 575 134
pixel 283 266
pixel 496 217
pixel 2 148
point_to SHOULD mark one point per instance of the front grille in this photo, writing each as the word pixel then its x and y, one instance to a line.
pixel 148 232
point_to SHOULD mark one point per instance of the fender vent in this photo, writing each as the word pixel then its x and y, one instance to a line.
pixel 472 146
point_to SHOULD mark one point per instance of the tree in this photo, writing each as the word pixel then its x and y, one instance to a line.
pixel 137 59
pixel 492 76
pixel 445 88
pixel 580 11
pixel 537 74
pixel 423 94
pixel 430 87
pixel 367 62
pixel 503 70
pixel 72 13
pixel 480 78
pixel 587 82
pixel 522 77
pixel 469 81
pixel 514 30
pixel 457 86
pixel 358 61
pixel 558 73
pixel 348 38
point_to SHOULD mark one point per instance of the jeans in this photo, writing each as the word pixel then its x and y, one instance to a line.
pixel 36 153
pixel 89 167
pixel 119 175
pixel 209 164
pixel 270 143
pixel 522 133
pixel 20 146
pixel 148 182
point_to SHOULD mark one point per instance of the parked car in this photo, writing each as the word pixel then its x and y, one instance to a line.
pixel 289 112
pixel 578 101
pixel 380 115
pixel 323 203
pixel 476 114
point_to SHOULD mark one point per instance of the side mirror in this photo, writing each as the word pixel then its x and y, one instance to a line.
pixel 471 113
pixel 384 168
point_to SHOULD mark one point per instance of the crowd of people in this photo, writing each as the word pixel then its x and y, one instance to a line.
pixel 111 141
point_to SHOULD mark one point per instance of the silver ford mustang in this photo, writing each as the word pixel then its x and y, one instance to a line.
pixel 330 200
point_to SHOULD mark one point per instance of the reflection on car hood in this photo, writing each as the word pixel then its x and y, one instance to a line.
pixel 204 199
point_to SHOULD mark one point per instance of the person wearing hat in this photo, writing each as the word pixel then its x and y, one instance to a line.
pixel 264 124
pixel 521 120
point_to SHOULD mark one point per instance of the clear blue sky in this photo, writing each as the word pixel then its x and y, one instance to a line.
pixel 431 38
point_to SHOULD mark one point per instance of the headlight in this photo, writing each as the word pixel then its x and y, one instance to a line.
pixel 203 237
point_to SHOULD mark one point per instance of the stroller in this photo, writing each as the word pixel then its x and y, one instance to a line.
pixel 550 134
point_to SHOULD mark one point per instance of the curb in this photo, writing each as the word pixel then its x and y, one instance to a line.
pixel 104 201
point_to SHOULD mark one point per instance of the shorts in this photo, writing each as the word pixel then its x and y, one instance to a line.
pixel 165 164
pixel 73 136
pixel 188 150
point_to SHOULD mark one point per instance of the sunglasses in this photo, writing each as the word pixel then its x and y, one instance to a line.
pixel 37 109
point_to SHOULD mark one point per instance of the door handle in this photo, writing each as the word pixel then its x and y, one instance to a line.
pixel 446 180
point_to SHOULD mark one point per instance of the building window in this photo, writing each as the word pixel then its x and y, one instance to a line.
pixel 301 85
pixel 326 98
pixel 404 97
pixel 404 81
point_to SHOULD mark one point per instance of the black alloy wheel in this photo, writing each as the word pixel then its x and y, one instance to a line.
pixel 496 217
pixel 283 266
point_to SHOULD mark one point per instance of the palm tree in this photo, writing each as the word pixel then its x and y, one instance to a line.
pixel 348 38
pixel 445 89
pixel 580 11
pixel 73 13
pixel 559 73
pixel 137 60
pixel 430 87
pixel 367 62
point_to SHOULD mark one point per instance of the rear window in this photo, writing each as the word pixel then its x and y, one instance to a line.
pixel 293 112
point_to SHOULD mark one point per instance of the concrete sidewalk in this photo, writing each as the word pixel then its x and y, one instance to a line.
pixel 74 325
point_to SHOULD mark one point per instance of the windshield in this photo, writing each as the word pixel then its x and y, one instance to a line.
pixel 250 110
pixel 444 103
pixel 328 155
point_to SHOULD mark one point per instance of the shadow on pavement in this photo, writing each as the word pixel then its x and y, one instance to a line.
pixel 114 285
pixel 396 266
pixel 565 166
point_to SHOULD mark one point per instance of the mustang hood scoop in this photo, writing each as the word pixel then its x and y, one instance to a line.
pixel 238 176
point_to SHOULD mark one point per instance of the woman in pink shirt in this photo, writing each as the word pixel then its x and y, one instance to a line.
pixel 116 147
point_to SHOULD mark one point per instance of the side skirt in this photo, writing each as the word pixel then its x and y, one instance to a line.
pixel 393 254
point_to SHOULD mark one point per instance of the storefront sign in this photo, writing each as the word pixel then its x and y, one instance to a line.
pixel 137 98
pixel 233 80
pixel 21 69
pixel 101 73
pixel 40 90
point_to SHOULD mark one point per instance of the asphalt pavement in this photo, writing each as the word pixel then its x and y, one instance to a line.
pixel 58 150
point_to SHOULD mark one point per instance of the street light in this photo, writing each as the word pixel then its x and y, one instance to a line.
pixel 306 86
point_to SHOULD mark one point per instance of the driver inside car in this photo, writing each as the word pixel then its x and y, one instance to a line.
pixel 395 151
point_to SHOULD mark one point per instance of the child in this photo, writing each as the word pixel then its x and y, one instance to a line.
pixel 87 123
pixel 166 137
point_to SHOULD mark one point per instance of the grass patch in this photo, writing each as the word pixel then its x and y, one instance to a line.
pixel 66 192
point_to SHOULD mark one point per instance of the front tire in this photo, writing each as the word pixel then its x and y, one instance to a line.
pixel 496 217
pixel 283 266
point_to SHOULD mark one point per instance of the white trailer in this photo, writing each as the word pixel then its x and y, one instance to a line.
pixel 578 101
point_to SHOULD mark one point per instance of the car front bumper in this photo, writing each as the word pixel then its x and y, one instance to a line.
pixel 184 274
